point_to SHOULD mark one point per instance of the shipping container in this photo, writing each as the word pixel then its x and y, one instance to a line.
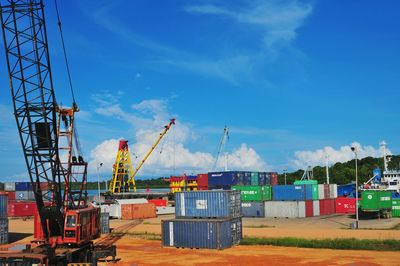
pixel 312 183
pixel 165 210
pixel 274 178
pixel 115 209
pixel 24 195
pixel 3 205
pixel 316 208
pixel 9 186
pixel 207 204
pixel 201 188
pixel 11 195
pixel 254 193
pixel 138 211
pixel 104 222
pixel 333 191
pixel 254 179
pixel 21 209
pixel 327 207
pixel 285 209
pixel 253 209
pixel 202 181
pixel 376 200
pixel 201 233
pixel 158 202
pixel 3 231
pixel 321 191
pixel 309 208
pixel 345 205
pixel 396 207
pixel 291 192
pixel 23 186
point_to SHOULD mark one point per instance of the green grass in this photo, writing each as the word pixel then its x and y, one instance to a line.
pixel 141 235
pixel 338 243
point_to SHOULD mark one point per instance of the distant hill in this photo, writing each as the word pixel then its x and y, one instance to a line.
pixel 343 173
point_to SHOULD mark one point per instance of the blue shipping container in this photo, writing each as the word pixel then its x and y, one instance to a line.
pixel 3 205
pixel 225 180
pixel 201 233
pixel 291 192
pixel 23 186
pixel 253 209
pixel 208 204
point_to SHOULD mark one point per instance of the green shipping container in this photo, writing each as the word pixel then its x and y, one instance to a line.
pixel 254 193
pixel 313 183
pixel 396 207
pixel 375 200
pixel 254 179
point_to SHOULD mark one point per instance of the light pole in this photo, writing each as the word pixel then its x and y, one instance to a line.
pixel 284 171
pixel 354 149
pixel 98 177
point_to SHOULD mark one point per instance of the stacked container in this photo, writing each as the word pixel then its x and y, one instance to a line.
pixel 3 218
pixel 225 180
pixel 375 200
pixel 204 219
pixel 253 198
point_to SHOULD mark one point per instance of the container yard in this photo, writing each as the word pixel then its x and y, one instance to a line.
pixel 150 87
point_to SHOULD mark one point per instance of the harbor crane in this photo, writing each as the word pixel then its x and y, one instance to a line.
pixel 221 149
pixel 123 178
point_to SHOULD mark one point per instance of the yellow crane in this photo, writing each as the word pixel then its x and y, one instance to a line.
pixel 123 177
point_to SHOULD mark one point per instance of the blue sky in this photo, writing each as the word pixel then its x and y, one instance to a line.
pixel 293 80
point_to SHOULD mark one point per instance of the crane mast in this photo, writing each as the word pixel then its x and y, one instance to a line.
pixel 35 106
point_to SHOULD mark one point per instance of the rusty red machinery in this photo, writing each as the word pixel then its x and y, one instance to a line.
pixel 66 224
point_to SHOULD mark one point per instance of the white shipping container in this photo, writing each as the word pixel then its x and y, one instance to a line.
pixel 302 209
pixel 285 209
pixel 24 195
pixel 321 193
pixel 165 210
pixel 9 186
pixel 333 191
pixel 316 208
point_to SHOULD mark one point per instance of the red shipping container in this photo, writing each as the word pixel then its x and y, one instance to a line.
pixel 21 209
pixel 309 208
pixel 11 195
pixel 274 179
pixel 202 180
pixel 202 188
pixel 326 206
pixel 158 202
pixel 346 205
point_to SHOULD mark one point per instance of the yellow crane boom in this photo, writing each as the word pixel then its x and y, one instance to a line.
pixel 162 134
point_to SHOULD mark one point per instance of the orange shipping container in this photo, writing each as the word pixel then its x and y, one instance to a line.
pixel 138 211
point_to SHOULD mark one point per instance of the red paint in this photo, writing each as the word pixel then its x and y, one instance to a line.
pixel 326 192
pixel 202 180
pixel 326 206
pixel 21 209
pixel 11 195
pixel 202 188
pixel 158 202
pixel 37 228
pixel 346 205
pixel 309 208
pixel 274 179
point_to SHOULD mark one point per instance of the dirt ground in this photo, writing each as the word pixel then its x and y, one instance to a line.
pixel 135 251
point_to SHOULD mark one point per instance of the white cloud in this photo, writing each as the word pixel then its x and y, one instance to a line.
pixel 172 155
pixel 278 19
pixel 343 154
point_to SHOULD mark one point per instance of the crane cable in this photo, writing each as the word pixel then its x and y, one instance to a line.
pixel 65 54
